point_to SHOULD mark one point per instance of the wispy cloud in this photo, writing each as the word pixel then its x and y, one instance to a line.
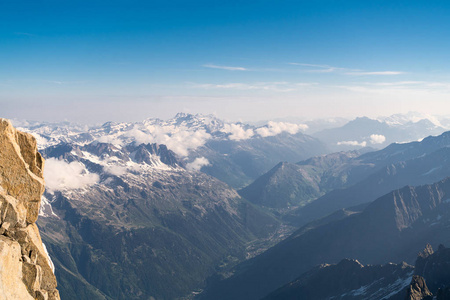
pixel 24 34
pixel 310 65
pixel 381 73
pixel 58 82
pixel 321 68
pixel 396 83
pixel 265 86
pixel 403 85
pixel 317 68
pixel 400 88
pixel 306 84
pixel 228 68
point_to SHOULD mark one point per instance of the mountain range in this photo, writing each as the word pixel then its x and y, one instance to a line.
pixel 134 223
pixel 318 186
pixel 380 132
pixel 150 210
pixel 349 279
pixel 393 228
pixel 235 153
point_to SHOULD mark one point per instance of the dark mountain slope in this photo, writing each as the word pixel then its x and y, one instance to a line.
pixel 240 162
pixel 392 228
pixel 423 170
pixel 347 280
pixel 351 280
pixel 290 184
pixel 321 185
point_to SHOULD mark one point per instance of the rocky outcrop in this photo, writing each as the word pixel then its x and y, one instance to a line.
pixel 418 289
pixel 434 268
pixel 25 268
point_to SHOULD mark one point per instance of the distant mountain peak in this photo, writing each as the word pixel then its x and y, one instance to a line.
pixel 426 252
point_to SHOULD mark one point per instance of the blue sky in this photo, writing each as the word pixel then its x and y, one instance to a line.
pixel 93 61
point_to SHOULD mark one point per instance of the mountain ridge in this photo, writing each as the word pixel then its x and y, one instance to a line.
pixel 402 221
pixel 134 210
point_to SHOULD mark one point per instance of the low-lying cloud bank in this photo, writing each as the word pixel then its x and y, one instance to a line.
pixel 237 132
pixel 373 139
pixel 377 139
pixel 60 175
pixel 352 143
pixel 197 164
pixel 275 128
pixel 181 138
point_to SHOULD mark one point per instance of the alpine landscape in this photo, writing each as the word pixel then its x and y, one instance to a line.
pixel 253 150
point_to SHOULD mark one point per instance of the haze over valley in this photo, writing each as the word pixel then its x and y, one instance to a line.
pixel 224 150
pixel 201 200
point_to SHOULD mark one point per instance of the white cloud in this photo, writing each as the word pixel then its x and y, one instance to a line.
pixel 346 71
pixel 377 139
pixel 306 84
pixel 236 86
pixel 197 164
pixel 237 132
pixel 115 170
pixel 110 139
pixel 25 33
pixel 263 86
pixel 375 73
pixel 225 67
pixel 397 83
pixel 329 70
pixel 320 68
pixel 310 65
pixel 352 143
pixel 178 139
pixel 274 128
pixel 139 136
pixel 60 175
pixel 182 141
pixel 401 91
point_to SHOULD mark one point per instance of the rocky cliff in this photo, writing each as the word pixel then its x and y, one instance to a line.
pixel 432 275
pixel 26 271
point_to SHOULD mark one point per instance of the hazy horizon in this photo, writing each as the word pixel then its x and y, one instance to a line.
pixel 99 61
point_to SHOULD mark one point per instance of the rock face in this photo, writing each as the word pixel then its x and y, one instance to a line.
pixel 418 289
pixel 434 268
pixel 25 268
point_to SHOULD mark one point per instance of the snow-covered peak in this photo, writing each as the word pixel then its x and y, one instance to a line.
pixel 70 167
pixel 181 134
pixel 410 117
